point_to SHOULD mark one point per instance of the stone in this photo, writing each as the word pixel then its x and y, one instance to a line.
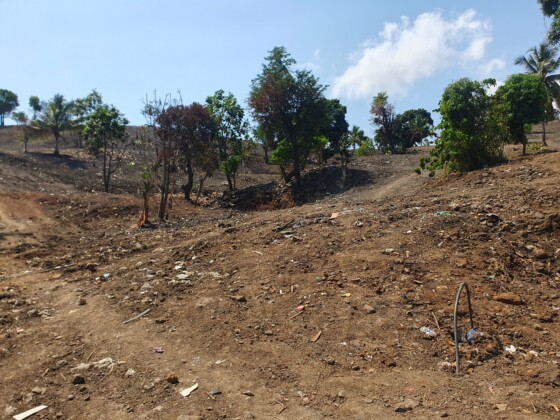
pixel 78 379
pixel 38 390
pixel 508 298
pixel 406 405
pixel 501 407
pixel 172 378
pixel 130 372
pixel 540 254
pixel 368 309
pixel 82 301
pixel 239 298
pixel 249 394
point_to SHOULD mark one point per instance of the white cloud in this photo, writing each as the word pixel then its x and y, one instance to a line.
pixel 308 65
pixel 406 52
pixel 489 67
pixel 316 54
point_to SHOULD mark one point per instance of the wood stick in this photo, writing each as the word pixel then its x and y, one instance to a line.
pixel 140 315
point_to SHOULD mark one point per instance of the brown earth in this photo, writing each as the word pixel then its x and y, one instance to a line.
pixel 367 267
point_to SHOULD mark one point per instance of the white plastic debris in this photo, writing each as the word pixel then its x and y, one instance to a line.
pixel 29 413
pixel 510 349
pixel 187 391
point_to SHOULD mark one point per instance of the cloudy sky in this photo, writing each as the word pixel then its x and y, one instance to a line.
pixel 128 48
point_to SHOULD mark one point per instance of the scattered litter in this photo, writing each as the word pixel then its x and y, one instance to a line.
pixel 258 252
pixel 101 364
pixel 316 336
pixel 443 213
pixel 219 362
pixel 510 349
pixel 29 413
pixel 388 251
pixel 19 330
pixel 187 391
pixel 473 335
pixel 301 307
pixel 428 333
pixel 157 349
pixel 106 275
pixel 334 215
pixel 346 294
pixel 140 315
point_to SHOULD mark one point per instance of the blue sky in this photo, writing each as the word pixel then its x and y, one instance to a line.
pixel 128 48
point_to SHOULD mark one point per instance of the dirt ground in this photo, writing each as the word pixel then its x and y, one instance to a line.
pixel 305 312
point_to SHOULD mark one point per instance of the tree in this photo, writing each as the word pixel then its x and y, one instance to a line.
pixel 551 8
pixel 542 61
pixel 83 107
pixel 192 130
pixel 384 118
pixel 413 127
pixel 105 134
pixel 26 131
pixel 356 136
pixel 473 128
pixel 8 102
pixel 523 98
pixel 35 105
pixel 231 129
pixel 55 117
pixel 291 111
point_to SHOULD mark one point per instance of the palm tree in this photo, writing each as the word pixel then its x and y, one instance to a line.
pixel 543 60
pixel 357 136
pixel 56 116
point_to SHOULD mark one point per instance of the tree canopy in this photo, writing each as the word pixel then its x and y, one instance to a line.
pixel 56 116
pixel 8 102
pixel 551 8
pixel 291 110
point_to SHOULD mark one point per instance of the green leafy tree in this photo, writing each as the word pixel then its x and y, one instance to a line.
pixel 524 99
pixel 231 129
pixel 357 136
pixel 55 117
pixel 291 110
pixel 8 102
pixel 473 128
pixel 105 135
pixel 542 61
pixel 82 108
pixel 551 8
pixel 35 105
pixel 413 127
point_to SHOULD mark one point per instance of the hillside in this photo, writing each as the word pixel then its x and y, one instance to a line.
pixel 306 312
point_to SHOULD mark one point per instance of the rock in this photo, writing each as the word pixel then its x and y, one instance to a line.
pixel 368 309
pixel 33 313
pixel 78 379
pixel 215 392
pixel 188 417
pixel 239 298
pixel 501 407
pixel 249 394
pixel 406 405
pixel 172 378
pixel 38 390
pixel 70 397
pixel 329 361
pixel 509 298
pixel 341 394
pixel 540 254
pixel 9 411
pixel 130 372
pixel 268 332
pixel 82 301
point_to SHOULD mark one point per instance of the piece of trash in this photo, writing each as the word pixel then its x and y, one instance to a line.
pixel 301 307
pixel 346 294
pixel 187 391
pixel 510 349
pixel 334 215
pixel 429 333
pixel 106 275
pixel 158 350
pixel 408 390
pixel 29 413
pixel 134 318
pixel 219 362
pixel 443 213
pixel 258 252
pixel 316 336
pixel 19 330
pixel 471 336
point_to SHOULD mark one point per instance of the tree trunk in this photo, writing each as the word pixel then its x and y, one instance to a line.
pixel 230 182
pixel 56 152
pixel 544 133
pixel 187 188
pixel 524 148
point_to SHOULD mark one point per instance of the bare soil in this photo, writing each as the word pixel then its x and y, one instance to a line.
pixel 281 309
